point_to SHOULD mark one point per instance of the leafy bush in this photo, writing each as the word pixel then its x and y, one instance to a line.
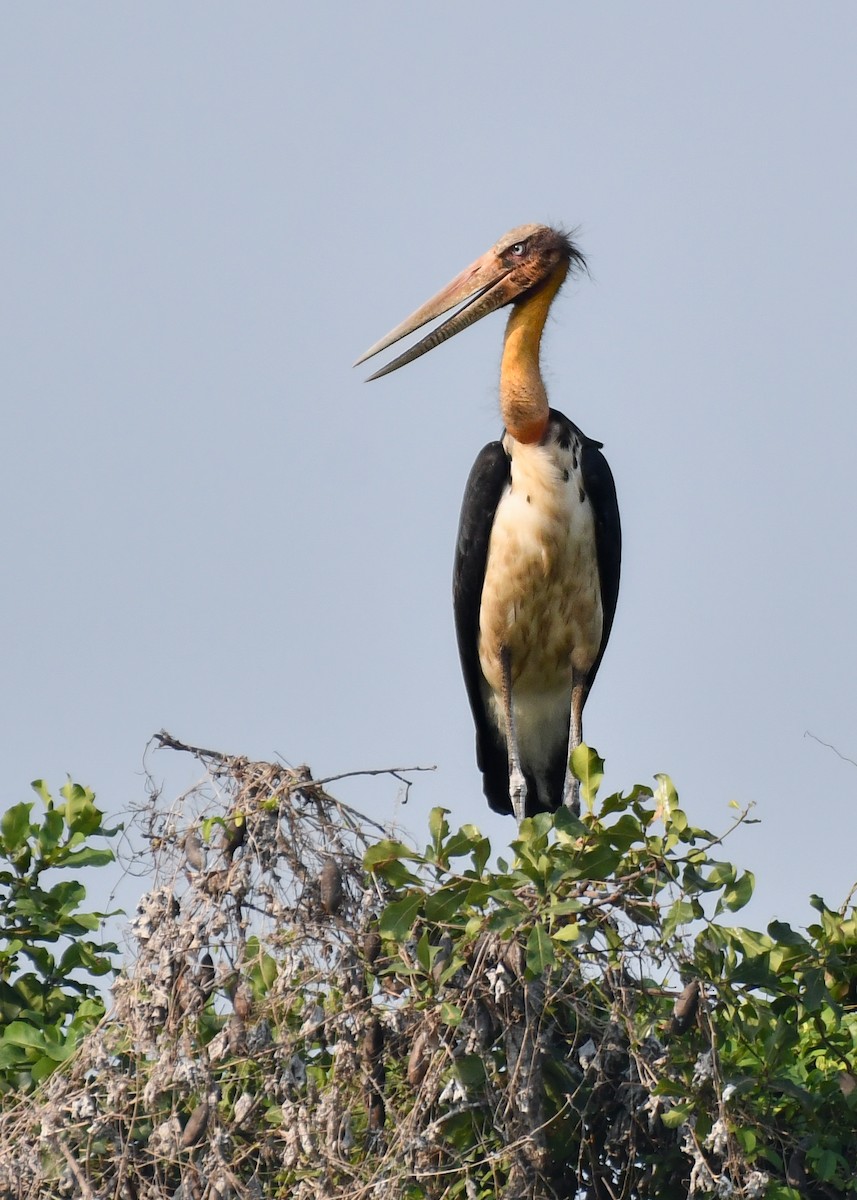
pixel 314 1011
pixel 48 999
pixel 662 1051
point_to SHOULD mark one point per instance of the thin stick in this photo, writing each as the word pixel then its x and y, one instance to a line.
pixel 828 746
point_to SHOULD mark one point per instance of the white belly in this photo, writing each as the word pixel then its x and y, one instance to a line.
pixel 541 599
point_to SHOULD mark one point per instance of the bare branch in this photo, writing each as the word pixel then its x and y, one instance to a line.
pixel 828 746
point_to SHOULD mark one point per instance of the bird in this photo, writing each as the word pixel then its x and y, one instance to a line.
pixel 538 552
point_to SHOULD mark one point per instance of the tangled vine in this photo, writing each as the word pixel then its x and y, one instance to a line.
pixel 316 1009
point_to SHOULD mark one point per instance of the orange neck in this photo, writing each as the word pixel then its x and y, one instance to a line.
pixel 523 399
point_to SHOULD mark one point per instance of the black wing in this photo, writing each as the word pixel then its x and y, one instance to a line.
pixel 601 490
pixel 487 482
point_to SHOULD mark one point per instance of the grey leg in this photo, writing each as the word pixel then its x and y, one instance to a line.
pixel 571 796
pixel 517 783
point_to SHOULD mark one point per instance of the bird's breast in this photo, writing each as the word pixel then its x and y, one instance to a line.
pixel 541 599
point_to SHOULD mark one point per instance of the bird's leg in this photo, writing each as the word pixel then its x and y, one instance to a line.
pixel 571 792
pixel 517 783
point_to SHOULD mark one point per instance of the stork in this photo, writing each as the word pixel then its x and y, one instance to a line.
pixel 536 573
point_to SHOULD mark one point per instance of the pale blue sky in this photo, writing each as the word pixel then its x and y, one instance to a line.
pixel 211 524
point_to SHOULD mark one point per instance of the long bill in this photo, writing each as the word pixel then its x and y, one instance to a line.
pixel 482 288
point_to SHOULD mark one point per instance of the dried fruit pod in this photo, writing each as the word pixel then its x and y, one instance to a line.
pixel 377 1112
pixel 193 850
pixel 242 999
pixel 420 1056
pixel 484 1025
pixel 373 1061
pixel 197 1124
pixel 233 835
pixel 373 1044
pixel 795 1173
pixel 442 957
pixel 684 1012
pixel 236 1034
pixel 514 959
pixel 206 974
pixel 330 886
pixel 372 946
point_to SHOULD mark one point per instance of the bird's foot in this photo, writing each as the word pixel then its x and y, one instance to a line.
pixel 571 794
pixel 518 792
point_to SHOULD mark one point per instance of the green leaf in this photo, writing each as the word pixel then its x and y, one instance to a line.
pixel 677 820
pixel 458 844
pixel 625 832
pixel 12 1057
pixel 599 862
pixel 481 853
pixel 666 798
pixel 81 813
pixel 41 789
pixel 786 936
pixel 694 881
pixel 386 851
pixel 207 826
pixel 677 1115
pixel 56 1051
pixel 65 895
pixel 568 828
pixel 15 826
pixel 87 856
pixel 443 904
pixel 268 972
pixel 426 952
pixel 615 803
pixel 81 955
pixel 480 892
pixel 540 952
pixel 438 826
pixel 470 1070
pixel 681 913
pixel 398 918
pixel 737 894
pixel 643 914
pixel 398 875
pixel 51 831
pixel 21 1033
pixel 450 1014
pixel 563 908
pixel 825 1163
pixel 746 1139
pixel 568 933
pixel 589 769
pixel 386 859
pixel 814 993
pixel 721 873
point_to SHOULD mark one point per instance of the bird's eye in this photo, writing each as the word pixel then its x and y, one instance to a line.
pixel 518 249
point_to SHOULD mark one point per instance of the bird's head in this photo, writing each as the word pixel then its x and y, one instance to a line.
pixel 525 260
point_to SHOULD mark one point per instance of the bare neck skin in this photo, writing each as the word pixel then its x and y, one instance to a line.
pixel 523 399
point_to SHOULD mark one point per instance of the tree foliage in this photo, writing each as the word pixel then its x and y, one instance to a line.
pixel 320 1009
pixel 48 960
